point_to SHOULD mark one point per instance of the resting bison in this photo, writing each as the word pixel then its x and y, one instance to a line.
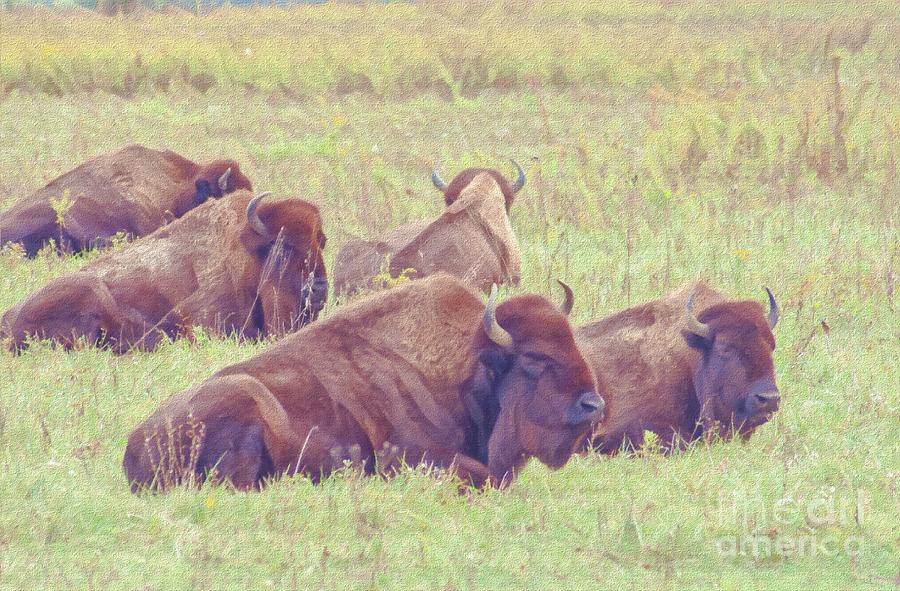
pixel 230 265
pixel 134 190
pixel 472 240
pixel 682 376
pixel 464 178
pixel 424 367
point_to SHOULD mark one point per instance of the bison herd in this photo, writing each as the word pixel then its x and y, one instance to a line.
pixel 422 372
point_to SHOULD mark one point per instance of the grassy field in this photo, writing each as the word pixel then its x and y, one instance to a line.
pixel 746 143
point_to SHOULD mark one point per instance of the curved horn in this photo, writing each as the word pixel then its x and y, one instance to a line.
pixel 694 325
pixel 520 180
pixel 494 331
pixel 774 313
pixel 569 302
pixel 437 180
pixel 253 217
pixel 223 180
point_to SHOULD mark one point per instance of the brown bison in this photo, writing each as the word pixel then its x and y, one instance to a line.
pixel 425 368
pixel 472 239
pixel 682 375
pixel 463 179
pixel 230 265
pixel 134 190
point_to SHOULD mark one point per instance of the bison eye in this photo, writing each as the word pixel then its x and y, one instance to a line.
pixel 534 366
pixel 729 353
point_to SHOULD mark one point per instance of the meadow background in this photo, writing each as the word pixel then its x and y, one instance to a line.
pixel 748 143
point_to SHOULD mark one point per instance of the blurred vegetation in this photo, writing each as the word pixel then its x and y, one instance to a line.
pixel 747 143
pixel 451 47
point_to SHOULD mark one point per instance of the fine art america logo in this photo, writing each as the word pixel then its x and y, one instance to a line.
pixel 823 524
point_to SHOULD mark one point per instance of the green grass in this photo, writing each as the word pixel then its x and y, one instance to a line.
pixel 452 47
pixel 635 185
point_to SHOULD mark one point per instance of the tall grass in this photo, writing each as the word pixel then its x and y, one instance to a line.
pixel 711 148
pixel 450 47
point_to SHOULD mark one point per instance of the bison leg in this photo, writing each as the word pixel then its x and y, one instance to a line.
pixel 248 435
pixel 340 457
pixel 237 452
pixel 473 472
pixel 388 459
pixel 232 428
pixel 89 224
pixel 631 438
pixel 612 443
pixel 469 470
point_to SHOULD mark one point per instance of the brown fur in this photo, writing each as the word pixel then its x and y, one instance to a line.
pixel 472 239
pixel 409 367
pixel 134 190
pixel 465 178
pixel 208 268
pixel 651 367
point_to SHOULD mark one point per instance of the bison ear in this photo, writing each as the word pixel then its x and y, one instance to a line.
pixel 696 341
pixel 204 191
pixel 495 361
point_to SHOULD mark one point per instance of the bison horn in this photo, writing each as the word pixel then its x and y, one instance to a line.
pixel 694 325
pixel 437 180
pixel 253 217
pixel 569 302
pixel 520 180
pixel 773 309
pixel 494 331
pixel 223 180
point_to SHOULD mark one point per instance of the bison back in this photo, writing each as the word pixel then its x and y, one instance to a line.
pixel 472 240
pixel 128 190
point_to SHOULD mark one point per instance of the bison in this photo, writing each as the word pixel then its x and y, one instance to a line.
pixel 424 368
pixel 134 190
pixel 472 239
pixel 681 374
pixel 230 265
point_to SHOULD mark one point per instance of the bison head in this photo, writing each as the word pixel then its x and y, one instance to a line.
pixel 219 178
pixel 288 240
pixel 735 377
pixel 462 180
pixel 531 393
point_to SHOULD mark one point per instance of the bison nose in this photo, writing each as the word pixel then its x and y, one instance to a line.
pixel 588 407
pixel 765 401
